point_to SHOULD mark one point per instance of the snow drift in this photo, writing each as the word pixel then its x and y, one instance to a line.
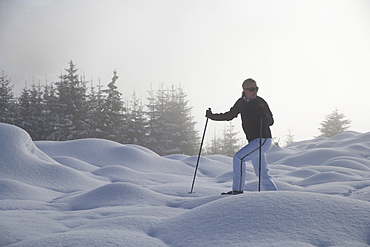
pixel 95 192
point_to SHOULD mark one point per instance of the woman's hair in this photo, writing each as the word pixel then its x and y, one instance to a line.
pixel 248 82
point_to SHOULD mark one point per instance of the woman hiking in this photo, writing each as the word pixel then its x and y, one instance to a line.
pixel 254 112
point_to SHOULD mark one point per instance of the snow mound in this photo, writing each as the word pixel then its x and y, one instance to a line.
pixel 271 219
pixel 302 173
pixel 208 167
pixel 92 238
pixel 115 194
pixel 90 150
pixel 326 177
pixel 315 156
pixel 354 163
pixel 75 163
pixel 124 174
pixel 334 165
pixel 11 189
pixel 22 161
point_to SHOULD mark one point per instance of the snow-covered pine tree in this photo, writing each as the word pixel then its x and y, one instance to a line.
pixel 50 108
pixel 30 112
pixel 96 117
pixel 171 126
pixel 215 146
pixel 84 127
pixel 24 102
pixel 333 124
pixel 159 127
pixel 229 143
pixel 136 122
pixel 289 137
pixel 72 110
pixel 183 133
pixel 170 135
pixel 153 125
pixel 7 104
pixel 115 119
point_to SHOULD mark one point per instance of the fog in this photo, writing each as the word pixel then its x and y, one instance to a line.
pixel 308 57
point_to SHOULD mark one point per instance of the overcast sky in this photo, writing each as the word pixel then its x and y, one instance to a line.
pixel 308 57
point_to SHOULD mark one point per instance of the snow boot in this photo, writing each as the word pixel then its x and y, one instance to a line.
pixel 232 192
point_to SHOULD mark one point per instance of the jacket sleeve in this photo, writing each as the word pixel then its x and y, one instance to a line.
pixel 227 116
pixel 269 116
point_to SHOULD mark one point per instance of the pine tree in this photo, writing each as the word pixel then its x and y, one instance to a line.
pixel 289 137
pixel 183 134
pixel 153 125
pixel 7 104
pixel 136 122
pixel 155 113
pixel 229 144
pixel 96 117
pixel 164 130
pixel 171 126
pixel 50 109
pixel 23 108
pixel 333 124
pixel 71 115
pixel 30 112
pixel 115 125
pixel 215 146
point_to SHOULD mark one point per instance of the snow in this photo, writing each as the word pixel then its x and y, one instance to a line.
pixel 94 192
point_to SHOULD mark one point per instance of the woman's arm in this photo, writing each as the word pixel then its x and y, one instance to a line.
pixel 226 116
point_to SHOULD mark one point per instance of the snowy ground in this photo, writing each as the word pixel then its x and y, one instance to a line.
pixel 94 192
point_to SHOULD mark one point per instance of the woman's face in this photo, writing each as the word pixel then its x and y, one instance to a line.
pixel 251 91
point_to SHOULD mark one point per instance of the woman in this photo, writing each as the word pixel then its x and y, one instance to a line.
pixel 252 109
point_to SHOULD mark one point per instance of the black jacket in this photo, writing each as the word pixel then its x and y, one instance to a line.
pixel 251 113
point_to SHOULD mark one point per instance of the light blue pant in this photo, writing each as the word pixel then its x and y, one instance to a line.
pixel 251 152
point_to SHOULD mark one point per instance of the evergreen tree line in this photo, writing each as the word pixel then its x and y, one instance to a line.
pixel 69 109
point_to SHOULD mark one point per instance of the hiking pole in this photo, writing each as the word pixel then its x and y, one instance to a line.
pixel 260 157
pixel 200 151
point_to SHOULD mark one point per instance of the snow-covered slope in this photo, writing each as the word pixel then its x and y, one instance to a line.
pixel 95 192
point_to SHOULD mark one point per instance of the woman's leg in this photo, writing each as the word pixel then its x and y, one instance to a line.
pixel 266 179
pixel 248 152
